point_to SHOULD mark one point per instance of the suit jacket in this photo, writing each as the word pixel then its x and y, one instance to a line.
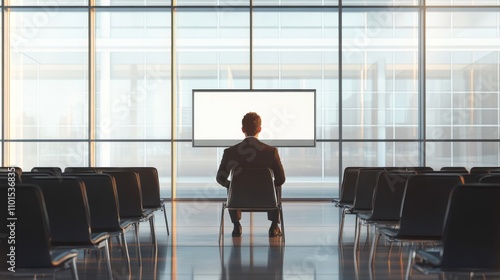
pixel 250 153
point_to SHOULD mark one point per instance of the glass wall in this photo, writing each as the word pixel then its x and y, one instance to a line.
pixel 109 83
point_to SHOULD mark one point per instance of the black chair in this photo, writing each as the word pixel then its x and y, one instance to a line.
pixel 347 195
pixel 54 171
pixel 490 178
pixel 470 236
pixel 128 188
pixel 423 210
pixel 69 215
pixel 150 188
pixel 455 168
pixel 387 200
pixel 104 208
pixel 484 169
pixel 363 200
pixel 252 190
pixel 33 251
pixel 80 170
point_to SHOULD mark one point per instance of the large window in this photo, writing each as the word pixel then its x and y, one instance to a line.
pixel 109 83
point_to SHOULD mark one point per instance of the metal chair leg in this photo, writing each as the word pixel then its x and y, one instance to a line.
pixel 138 243
pixel 221 228
pixel 166 220
pixel 108 259
pixel 282 226
pixel 74 272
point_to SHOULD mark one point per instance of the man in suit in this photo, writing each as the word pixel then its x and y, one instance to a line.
pixel 251 153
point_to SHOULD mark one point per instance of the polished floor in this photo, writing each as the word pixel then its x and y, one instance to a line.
pixel 192 250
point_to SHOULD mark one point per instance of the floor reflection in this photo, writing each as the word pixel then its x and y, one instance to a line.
pixel 252 262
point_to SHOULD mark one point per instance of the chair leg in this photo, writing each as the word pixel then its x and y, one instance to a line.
pixel 74 272
pixel 411 257
pixel 341 226
pixel 108 259
pixel 166 220
pixel 376 237
pixel 221 228
pixel 138 243
pixel 282 225
pixel 125 248
pixel 357 234
pixel 152 227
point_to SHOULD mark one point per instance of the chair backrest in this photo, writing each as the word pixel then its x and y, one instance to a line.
pixel 484 169
pixel 365 185
pixel 103 201
pixel 150 183
pixel 470 237
pixel 454 168
pixel 80 170
pixel 388 195
pixel 129 192
pixel 32 233
pixel 54 171
pixel 418 169
pixel 252 188
pixel 67 208
pixel 490 178
pixel 424 204
pixel 348 187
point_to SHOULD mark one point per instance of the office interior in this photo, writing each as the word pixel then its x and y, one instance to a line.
pixel 105 83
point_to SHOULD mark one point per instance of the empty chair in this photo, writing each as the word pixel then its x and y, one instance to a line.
pixel 454 168
pixel 484 169
pixel 128 188
pixel 365 185
pixel 33 251
pixel 80 170
pixel 150 188
pixel 418 169
pixel 54 171
pixel 387 200
pixel 470 236
pixel 69 214
pixel 252 190
pixel 104 208
pixel 490 178
pixel 347 195
pixel 423 210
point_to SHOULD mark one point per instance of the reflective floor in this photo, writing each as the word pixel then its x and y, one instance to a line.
pixel 192 250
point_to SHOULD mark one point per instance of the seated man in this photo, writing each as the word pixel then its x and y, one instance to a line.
pixel 251 153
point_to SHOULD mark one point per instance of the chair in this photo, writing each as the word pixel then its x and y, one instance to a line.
pixel 423 210
pixel 470 236
pixel 347 195
pixel 69 216
pixel 387 200
pixel 454 168
pixel 104 208
pixel 33 251
pixel 54 171
pixel 130 200
pixel 366 183
pixel 490 178
pixel 484 169
pixel 150 188
pixel 80 170
pixel 252 190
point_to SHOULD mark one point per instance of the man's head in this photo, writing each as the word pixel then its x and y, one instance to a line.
pixel 251 124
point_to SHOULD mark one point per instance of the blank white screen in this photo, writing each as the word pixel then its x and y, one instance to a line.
pixel 288 116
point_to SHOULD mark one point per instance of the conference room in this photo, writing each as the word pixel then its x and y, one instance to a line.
pixel 132 103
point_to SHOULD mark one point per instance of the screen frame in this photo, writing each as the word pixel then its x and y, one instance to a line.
pixel 278 143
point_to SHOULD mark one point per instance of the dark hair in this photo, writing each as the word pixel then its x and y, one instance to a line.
pixel 251 123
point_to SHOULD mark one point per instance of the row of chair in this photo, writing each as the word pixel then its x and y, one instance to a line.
pixel 403 204
pixel 87 206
